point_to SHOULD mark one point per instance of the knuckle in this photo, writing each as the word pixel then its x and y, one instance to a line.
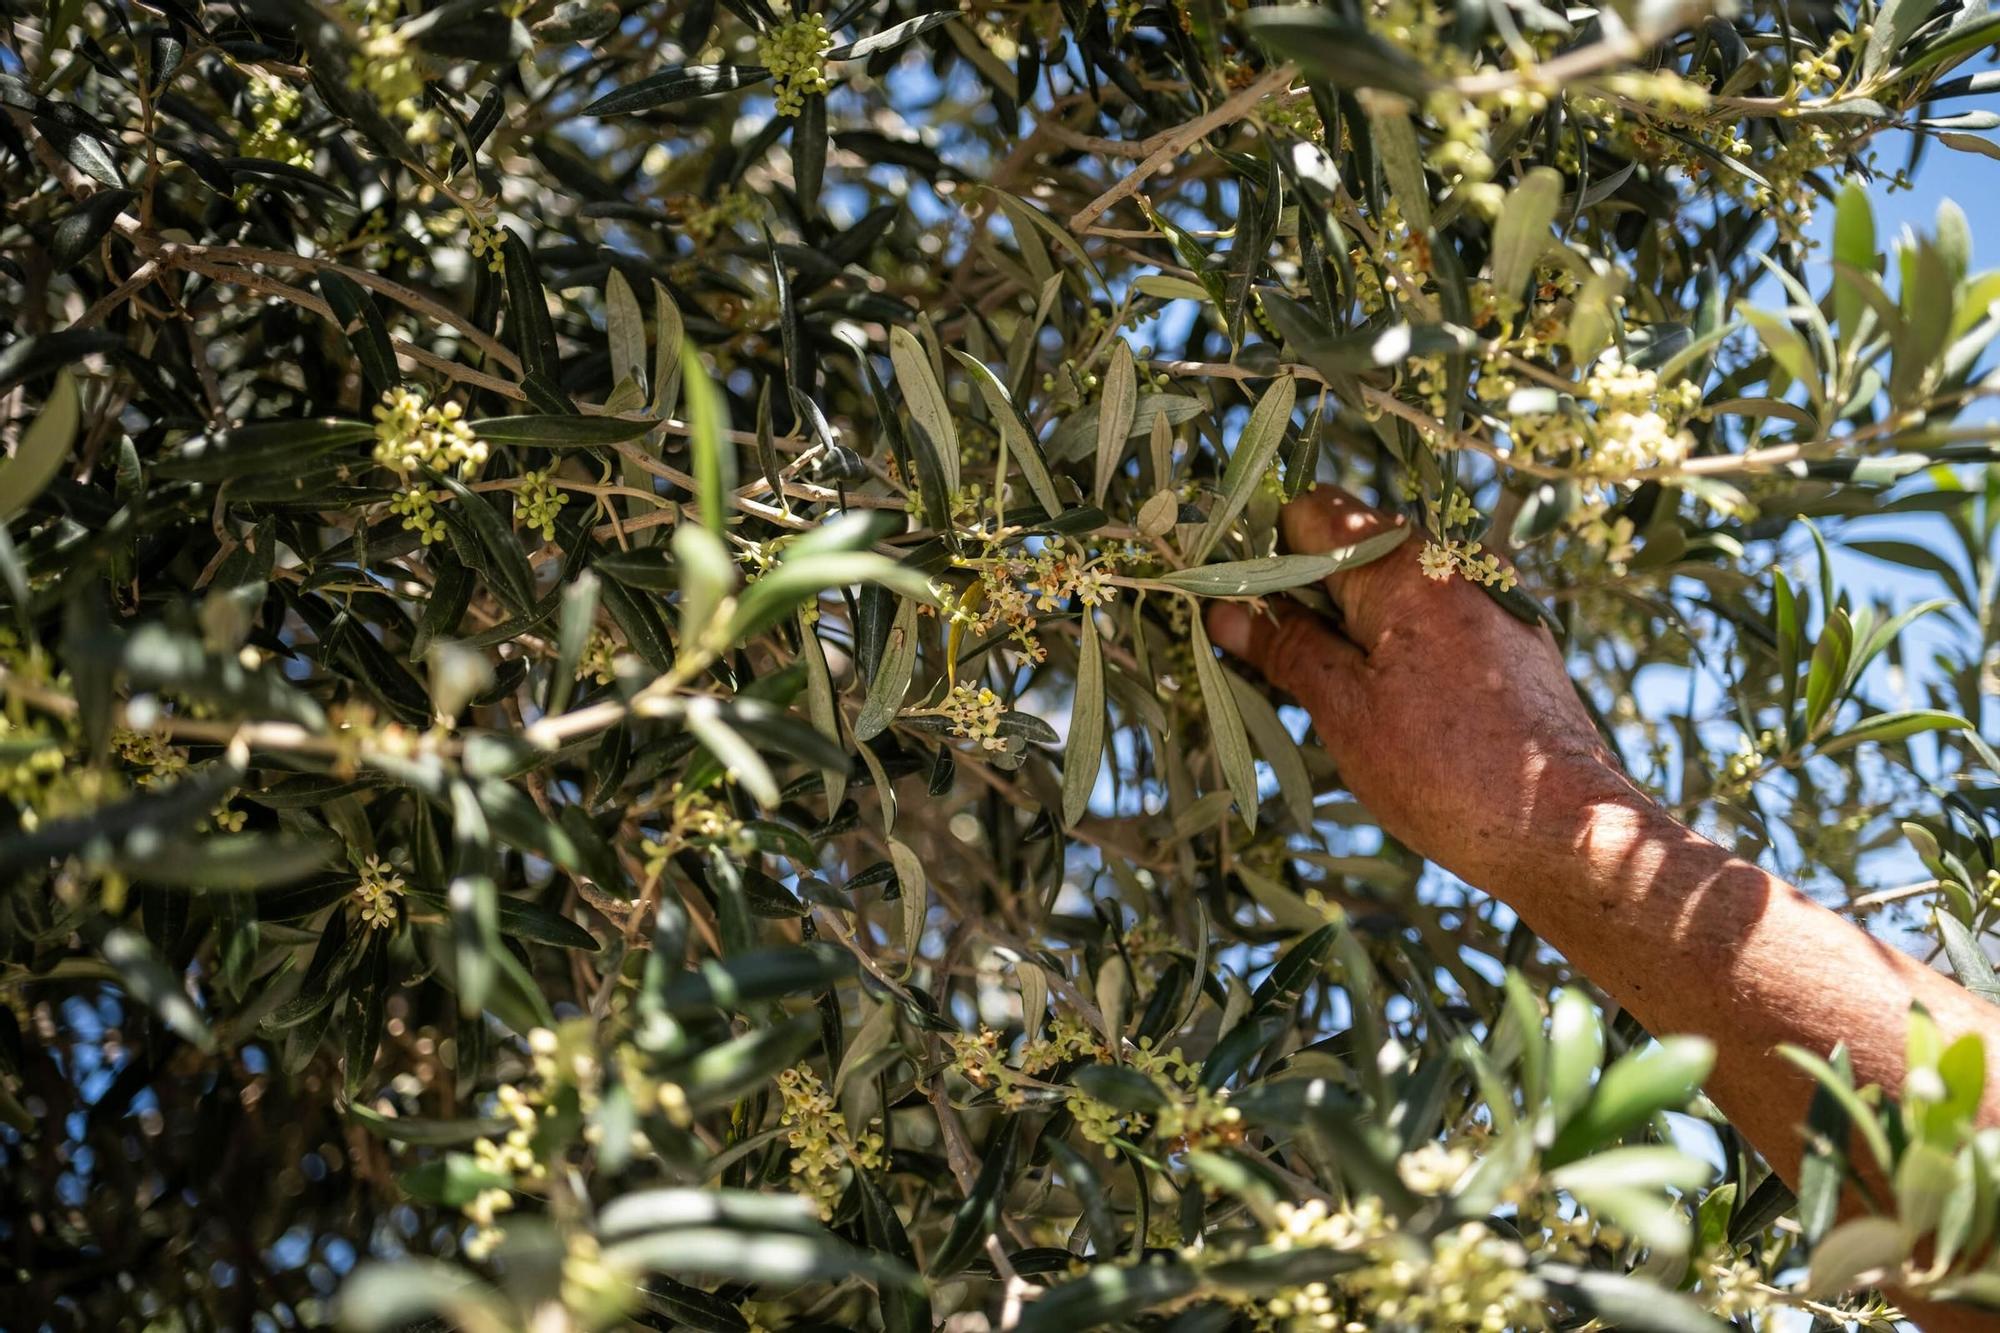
pixel 1296 644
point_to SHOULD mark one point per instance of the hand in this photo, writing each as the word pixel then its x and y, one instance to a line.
pixel 1457 726
pixel 1451 720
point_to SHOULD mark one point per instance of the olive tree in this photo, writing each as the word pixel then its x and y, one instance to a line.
pixel 604 707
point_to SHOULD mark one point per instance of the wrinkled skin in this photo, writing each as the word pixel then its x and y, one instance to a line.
pixel 1454 722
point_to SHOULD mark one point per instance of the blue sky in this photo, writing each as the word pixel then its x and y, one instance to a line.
pixel 1973 181
pixel 1943 173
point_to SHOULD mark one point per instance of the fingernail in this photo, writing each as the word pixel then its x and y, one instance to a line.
pixel 1229 628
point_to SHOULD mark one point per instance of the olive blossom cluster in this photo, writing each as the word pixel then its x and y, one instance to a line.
pixel 271 107
pixel 388 69
pixel 411 431
pixel 1012 592
pixel 824 1150
pixel 795 53
pixel 540 502
pixel 1468 1278
pixel 377 895
pixel 974 712
pixel 982 1057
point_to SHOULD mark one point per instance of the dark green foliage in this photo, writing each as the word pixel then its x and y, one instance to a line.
pixel 556 747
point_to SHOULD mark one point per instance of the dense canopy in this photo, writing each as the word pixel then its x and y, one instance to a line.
pixel 604 710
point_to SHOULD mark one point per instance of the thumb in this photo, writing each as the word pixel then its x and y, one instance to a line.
pixel 1327 517
pixel 1297 651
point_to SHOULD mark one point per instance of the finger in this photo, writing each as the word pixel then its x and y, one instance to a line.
pixel 1326 518
pixel 1294 649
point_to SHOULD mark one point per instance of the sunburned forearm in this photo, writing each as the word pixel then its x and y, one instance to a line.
pixel 1695 940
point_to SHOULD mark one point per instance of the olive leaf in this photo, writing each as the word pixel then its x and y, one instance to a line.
pixel 714 457
pixel 891 37
pixel 1225 725
pixel 1256 449
pixel 677 84
pixel 44 447
pixel 892 677
pixel 1116 407
pixel 1276 573
pixel 931 430
pixel 559 432
pixel 1022 446
pixel 367 333
pixel 1084 753
pixel 1521 234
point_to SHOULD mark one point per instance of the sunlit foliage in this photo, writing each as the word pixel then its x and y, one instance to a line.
pixel 606 716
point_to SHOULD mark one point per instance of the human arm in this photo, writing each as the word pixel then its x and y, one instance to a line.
pixel 1458 727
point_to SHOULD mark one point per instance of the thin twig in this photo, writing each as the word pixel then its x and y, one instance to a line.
pixel 1619 49
pixel 1869 902
pixel 176 252
pixel 111 300
pixel 1176 141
